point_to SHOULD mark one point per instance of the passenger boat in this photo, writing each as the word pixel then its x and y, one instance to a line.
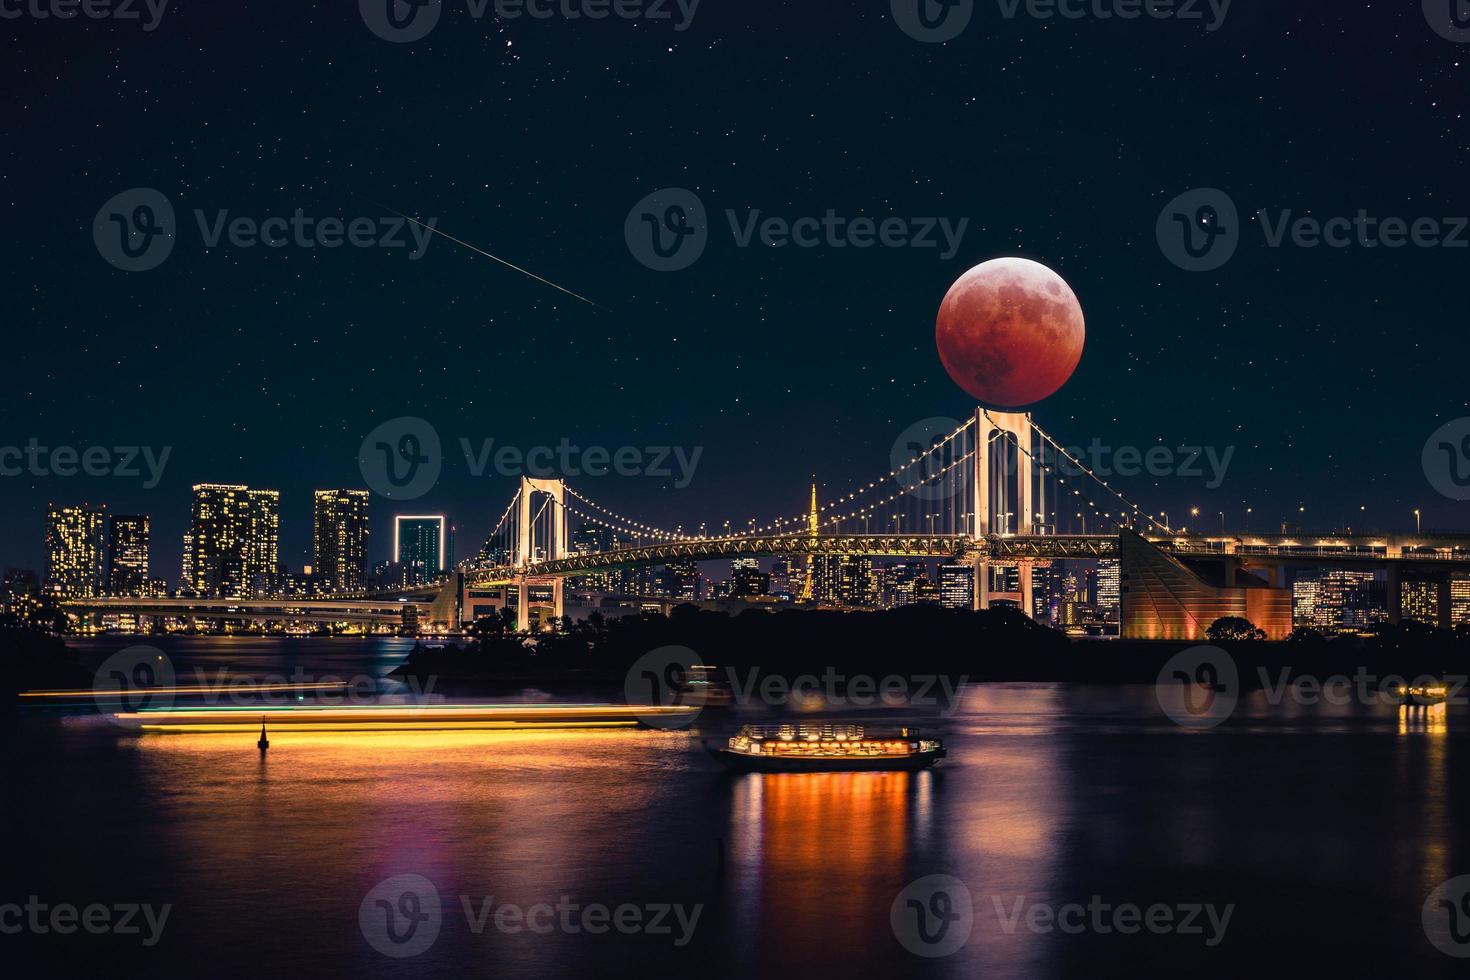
pixel 827 748
pixel 1420 695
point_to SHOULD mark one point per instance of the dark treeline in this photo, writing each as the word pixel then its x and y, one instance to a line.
pixel 992 645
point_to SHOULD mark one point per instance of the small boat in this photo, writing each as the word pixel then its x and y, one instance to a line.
pixel 703 687
pixel 827 748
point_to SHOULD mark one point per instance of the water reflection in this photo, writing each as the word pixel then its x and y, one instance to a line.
pixel 814 849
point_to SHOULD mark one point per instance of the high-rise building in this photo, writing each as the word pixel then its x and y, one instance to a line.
pixel 127 555
pixel 747 580
pixel 234 541
pixel 1108 588
pixel 75 546
pixel 685 581
pixel 418 542
pixel 1306 596
pixel 1351 599
pixel 787 576
pixel 843 580
pixel 1459 601
pixel 591 539
pixel 956 585
pixel 20 588
pixel 901 579
pixel 1043 581
pixel 339 552
pixel 1419 601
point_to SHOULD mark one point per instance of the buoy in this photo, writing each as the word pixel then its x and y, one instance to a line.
pixel 264 742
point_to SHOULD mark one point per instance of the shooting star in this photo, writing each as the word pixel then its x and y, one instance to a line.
pixel 481 251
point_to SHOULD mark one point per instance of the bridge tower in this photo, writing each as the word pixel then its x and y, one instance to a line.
pixel 983 513
pixel 525 554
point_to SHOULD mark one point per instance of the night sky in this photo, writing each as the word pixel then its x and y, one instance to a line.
pixel 1059 140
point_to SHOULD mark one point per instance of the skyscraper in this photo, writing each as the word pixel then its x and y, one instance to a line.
pixel 956 585
pixel 339 552
pixel 1107 588
pixel 844 580
pixel 418 543
pixel 74 552
pixel 234 541
pixel 127 554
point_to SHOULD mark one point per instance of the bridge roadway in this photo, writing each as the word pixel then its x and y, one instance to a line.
pixel 1444 551
pixel 363 610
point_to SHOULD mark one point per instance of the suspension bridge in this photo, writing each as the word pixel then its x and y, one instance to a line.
pixel 997 490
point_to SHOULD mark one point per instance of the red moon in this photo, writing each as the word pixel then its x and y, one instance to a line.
pixel 1010 332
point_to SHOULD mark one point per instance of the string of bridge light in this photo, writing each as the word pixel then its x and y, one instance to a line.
pixel 614 527
pixel 895 473
pixel 1104 483
pixel 644 530
pixel 867 510
pixel 623 525
pixel 513 501
pixel 1078 463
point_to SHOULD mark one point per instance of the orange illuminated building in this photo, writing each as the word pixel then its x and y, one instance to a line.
pixel 1162 598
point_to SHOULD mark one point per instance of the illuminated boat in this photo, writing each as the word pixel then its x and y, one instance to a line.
pixel 827 748
pixel 1421 695
pixel 396 717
